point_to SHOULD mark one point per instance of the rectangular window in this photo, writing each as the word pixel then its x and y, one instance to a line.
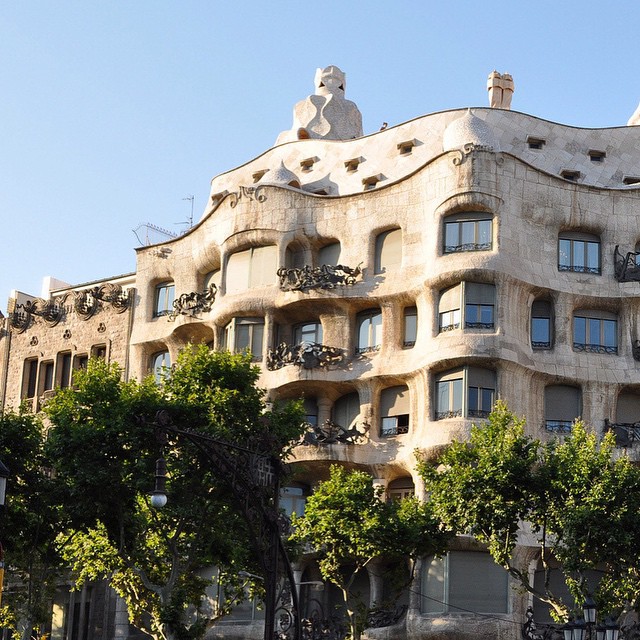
pixel 394 411
pixel 467 235
pixel 579 255
pixel 467 392
pixel 165 294
pixel 30 378
pixel 449 399
pixel 595 334
pixel 369 332
pixel 46 377
pixel 245 334
pixel 410 326
pixel 309 332
pixel 64 369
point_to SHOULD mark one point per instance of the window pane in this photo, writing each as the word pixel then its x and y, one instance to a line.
pixel 242 337
pixel 610 333
pixel 484 232
pixel 486 314
pixel 593 255
pixel 256 340
pixel 472 312
pixel 457 396
pixel 468 570
pixel 442 393
pixel 594 331
pixel 579 254
pixel 468 233
pixel 451 238
pixel 540 329
pixel 363 334
pixel 472 396
pixel 376 326
pixel 564 258
pixel 410 326
pixel 486 400
pixel 580 330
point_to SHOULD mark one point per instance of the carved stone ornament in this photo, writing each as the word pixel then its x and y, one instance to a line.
pixel 323 277
pixel 190 304
pixel 307 355
pixel 251 193
pixel 51 312
pixel 330 432
pixel 87 302
pixel 626 266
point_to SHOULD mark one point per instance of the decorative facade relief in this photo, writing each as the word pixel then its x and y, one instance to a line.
pixel 307 355
pixel 330 432
pixel 250 193
pixel 323 277
pixel 191 304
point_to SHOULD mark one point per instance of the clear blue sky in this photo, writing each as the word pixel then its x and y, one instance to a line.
pixel 113 112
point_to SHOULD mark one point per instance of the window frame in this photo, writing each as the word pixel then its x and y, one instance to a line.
pixel 388 241
pixel 409 333
pixel 465 396
pixel 561 423
pixel 590 319
pixel 160 362
pixel 392 422
pixel 164 296
pixel 374 331
pixel 299 332
pixel 231 336
pixel 459 317
pixel 576 253
pixel 541 345
pixel 457 222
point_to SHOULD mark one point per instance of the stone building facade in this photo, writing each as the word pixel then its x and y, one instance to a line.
pixel 399 282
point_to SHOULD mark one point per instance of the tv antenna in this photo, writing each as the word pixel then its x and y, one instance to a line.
pixel 189 222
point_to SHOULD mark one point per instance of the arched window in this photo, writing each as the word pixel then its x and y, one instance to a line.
pixel 628 408
pixel 467 392
pixel 400 488
pixel 541 324
pixel 255 267
pixel 213 277
pixel 450 584
pixel 164 297
pixel 369 327
pixel 394 411
pixel 469 231
pixel 346 410
pixel 595 331
pixel 388 251
pixel 562 406
pixel 160 364
pixel 245 334
pixel 470 304
pixel 329 254
pixel 579 252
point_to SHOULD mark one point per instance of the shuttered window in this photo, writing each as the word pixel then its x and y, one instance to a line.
pixel 329 254
pixel 562 405
pixel 468 304
pixel 388 251
pixel 394 411
pixel 255 267
pixel 346 410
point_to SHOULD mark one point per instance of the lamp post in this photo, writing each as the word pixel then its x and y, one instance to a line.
pixel 583 629
pixel 4 474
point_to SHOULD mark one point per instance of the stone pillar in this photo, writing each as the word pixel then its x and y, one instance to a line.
pixel 324 410
pixel 121 620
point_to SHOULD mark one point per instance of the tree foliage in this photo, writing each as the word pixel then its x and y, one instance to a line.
pixel 31 521
pixel 580 499
pixel 104 452
pixel 349 525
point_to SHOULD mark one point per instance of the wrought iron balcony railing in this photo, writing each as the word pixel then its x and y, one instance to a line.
pixel 323 277
pixel 307 355
pixel 330 432
pixel 190 304
pixel 626 266
pixel 558 426
pixel 626 433
pixel 594 348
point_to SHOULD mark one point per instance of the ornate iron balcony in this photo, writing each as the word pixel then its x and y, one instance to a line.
pixel 478 413
pixel 594 348
pixel 478 325
pixel 330 432
pixel 307 355
pixel 449 327
pixel 443 415
pixel 322 277
pixel 558 426
pixel 540 344
pixel 532 630
pixel 577 268
pixel 368 349
pixel 626 433
pixel 626 266
pixel 469 246
pixel 190 304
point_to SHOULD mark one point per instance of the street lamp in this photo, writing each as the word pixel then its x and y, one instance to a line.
pixel 583 629
pixel 159 493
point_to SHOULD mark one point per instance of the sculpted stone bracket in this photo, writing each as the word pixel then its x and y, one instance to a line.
pixel 322 277
pixel 330 432
pixel 190 304
pixel 87 302
pixel 307 355
pixel 251 193
pixel 51 312
pixel 626 266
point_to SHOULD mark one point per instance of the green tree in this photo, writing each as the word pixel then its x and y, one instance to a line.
pixel 104 453
pixel 349 526
pixel 30 524
pixel 581 500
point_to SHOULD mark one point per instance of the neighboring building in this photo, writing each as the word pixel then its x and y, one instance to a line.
pixel 399 282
